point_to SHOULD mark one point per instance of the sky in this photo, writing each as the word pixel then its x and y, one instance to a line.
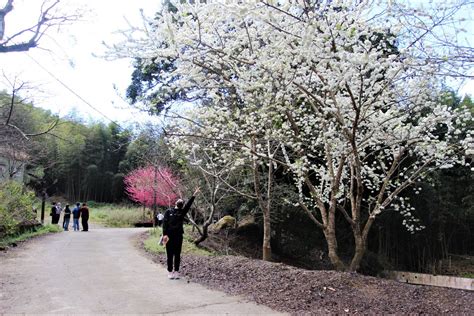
pixel 70 56
pixel 73 55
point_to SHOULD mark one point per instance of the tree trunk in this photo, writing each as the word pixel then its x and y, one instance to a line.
pixel 205 226
pixel 43 203
pixel 330 234
pixel 203 236
pixel 360 248
pixel 264 204
pixel 267 250
pixel 360 241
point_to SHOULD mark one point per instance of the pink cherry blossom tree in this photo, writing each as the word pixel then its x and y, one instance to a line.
pixel 152 186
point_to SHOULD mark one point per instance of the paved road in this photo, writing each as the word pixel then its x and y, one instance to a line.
pixel 101 271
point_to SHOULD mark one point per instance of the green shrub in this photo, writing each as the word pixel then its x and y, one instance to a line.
pixel 16 207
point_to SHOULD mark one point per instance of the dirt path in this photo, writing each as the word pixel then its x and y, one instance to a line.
pixel 101 271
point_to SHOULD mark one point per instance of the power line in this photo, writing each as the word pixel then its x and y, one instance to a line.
pixel 80 97
pixel 72 91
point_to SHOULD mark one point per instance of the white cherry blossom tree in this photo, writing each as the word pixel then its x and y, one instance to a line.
pixel 341 88
pixel 221 153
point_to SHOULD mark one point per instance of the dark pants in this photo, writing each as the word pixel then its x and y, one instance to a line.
pixel 55 219
pixel 85 225
pixel 173 251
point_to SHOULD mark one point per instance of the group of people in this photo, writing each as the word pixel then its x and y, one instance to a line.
pixel 78 212
pixel 172 221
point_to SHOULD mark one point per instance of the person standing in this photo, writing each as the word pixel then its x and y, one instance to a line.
pixel 85 217
pixel 67 217
pixel 159 218
pixel 75 216
pixel 173 233
pixel 59 209
pixel 53 214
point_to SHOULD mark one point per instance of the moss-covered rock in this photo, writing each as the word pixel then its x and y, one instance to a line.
pixel 225 222
pixel 246 221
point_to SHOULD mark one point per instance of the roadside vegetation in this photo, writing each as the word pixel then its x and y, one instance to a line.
pixel 152 245
pixel 16 211
pixel 34 232
pixel 111 215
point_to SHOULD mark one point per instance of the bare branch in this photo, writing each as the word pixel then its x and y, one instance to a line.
pixel 3 12
pixel 46 20
pixel 311 215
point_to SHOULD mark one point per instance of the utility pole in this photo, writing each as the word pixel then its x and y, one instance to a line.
pixel 43 202
pixel 155 182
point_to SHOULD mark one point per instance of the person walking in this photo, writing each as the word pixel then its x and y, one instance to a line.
pixel 67 217
pixel 75 216
pixel 85 217
pixel 173 233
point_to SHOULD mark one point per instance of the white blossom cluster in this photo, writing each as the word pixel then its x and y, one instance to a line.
pixel 325 92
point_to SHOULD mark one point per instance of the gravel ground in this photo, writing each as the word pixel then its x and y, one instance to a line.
pixel 298 291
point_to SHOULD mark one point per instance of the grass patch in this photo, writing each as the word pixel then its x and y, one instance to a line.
pixel 467 275
pixel 115 215
pixel 151 243
pixel 11 240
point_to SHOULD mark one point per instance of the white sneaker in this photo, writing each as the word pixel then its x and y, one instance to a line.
pixel 176 275
pixel 170 275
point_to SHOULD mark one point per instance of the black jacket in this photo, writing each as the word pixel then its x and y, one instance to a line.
pixel 174 218
pixel 67 212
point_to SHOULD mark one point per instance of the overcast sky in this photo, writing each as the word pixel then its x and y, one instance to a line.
pixel 69 56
